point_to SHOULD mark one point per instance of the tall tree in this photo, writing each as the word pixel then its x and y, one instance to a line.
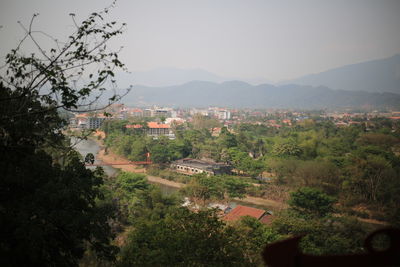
pixel 48 198
pixel 183 238
pixel 310 201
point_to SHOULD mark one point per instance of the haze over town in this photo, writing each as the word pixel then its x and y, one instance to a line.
pixel 257 41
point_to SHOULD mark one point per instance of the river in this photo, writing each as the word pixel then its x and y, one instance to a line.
pixel 85 147
pixel 90 146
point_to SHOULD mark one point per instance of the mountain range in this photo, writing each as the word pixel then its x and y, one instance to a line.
pixel 372 84
pixel 169 76
pixel 237 94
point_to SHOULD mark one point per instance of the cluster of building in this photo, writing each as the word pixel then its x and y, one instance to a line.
pixel 150 112
pixel 215 112
pixel 344 119
pixel 232 212
pixel 227 117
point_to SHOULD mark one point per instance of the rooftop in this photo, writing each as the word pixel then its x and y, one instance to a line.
pixel 198 163
pixel 241 211
pixel 151 125
pixel 136 110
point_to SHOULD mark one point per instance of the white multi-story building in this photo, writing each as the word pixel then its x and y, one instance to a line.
pixel 203 112
pixel 95 122
pixel 84 121
pixel 223 114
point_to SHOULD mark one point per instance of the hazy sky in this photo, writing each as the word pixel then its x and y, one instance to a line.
pixel 275 40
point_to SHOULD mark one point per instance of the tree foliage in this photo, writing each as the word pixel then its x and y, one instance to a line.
pixel 311 201
pixel 182 238
pixel 323 235
pixel 49 212
pixel 203 189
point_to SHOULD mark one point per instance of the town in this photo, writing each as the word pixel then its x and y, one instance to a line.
pixel 241 144
pixel 228 117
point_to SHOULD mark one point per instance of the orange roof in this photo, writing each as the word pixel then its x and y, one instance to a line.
pixel 86 115
pixel 151 125
pixel 82 115
pixel 240 211
pixel 394 118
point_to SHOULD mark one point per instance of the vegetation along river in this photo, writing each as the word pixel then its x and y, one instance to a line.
pixel 90 146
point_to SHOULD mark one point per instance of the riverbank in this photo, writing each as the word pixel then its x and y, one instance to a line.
pixel 172 186
pixel 111 157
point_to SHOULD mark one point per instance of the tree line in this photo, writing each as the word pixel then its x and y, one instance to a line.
pixel 358 166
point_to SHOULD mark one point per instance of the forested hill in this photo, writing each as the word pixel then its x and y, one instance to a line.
pixel 241 95
pixel 382 75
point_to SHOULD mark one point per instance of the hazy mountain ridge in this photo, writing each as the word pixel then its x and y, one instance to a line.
pixel 240 94
pixel 381 75
pixel 174 76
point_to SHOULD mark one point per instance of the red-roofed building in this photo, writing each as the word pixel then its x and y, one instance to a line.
pixel 216 131
pixel 156 125
pixel 240 211
pixel 154 129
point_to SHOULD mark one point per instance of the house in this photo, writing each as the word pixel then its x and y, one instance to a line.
pixel 174 120
pixel 154 129
pixel 240 211
pixel 223 114
pixel 196 166
pixel 158 112
pixel 79 121
pixel 95 122
pixel 341 124
pixel 86 121
pixel 216 131
pixel 136 112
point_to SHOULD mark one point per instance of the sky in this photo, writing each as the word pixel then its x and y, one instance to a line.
pixel 275 40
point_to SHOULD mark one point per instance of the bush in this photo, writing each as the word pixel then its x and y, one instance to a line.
pixel 311 201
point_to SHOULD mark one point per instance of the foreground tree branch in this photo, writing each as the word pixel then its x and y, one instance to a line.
pixel 50 204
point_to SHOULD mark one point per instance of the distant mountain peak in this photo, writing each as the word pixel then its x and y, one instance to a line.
pixel 236 83
pixel 379 75
pixel 169 76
